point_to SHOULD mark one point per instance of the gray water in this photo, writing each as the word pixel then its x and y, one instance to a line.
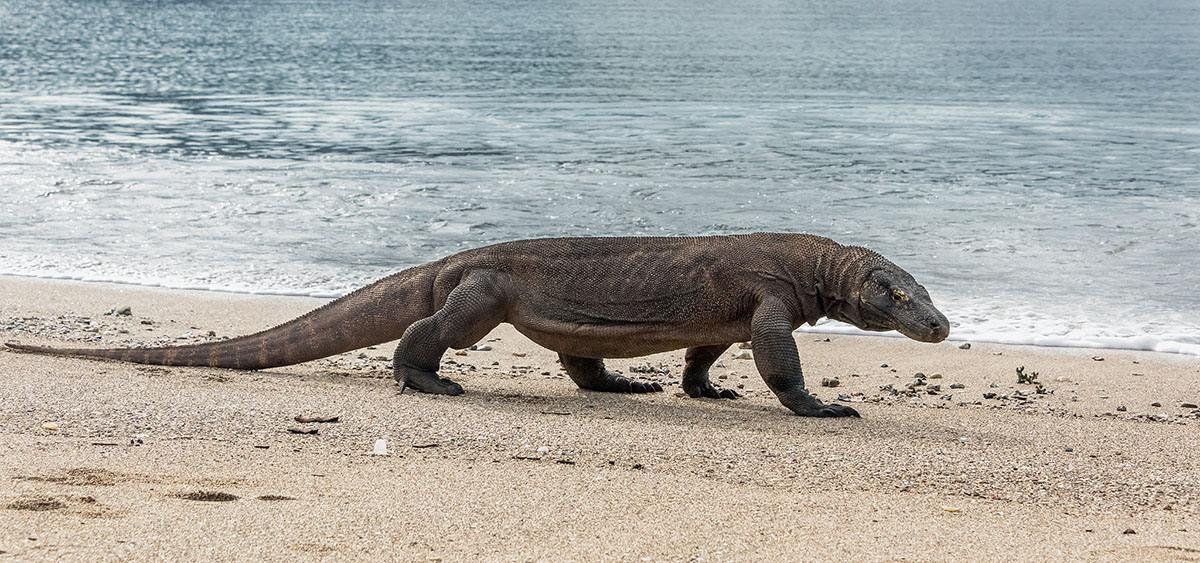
pixel 1035 164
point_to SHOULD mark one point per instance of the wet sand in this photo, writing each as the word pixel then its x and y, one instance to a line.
pixel 103 460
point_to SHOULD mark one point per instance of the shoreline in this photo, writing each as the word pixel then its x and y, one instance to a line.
pixel 1151 343
pixel 105 460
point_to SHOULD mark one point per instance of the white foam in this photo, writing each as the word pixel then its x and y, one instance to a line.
pixel 1081 338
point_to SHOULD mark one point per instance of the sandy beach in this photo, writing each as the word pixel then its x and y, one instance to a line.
pixel 1097 458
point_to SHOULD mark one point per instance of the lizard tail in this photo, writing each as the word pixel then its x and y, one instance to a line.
pixel 375 314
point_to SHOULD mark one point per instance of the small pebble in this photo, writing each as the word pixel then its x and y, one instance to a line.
pixel 964 346
pixel 1188 406
pixel 957 386
pixel 830 382
pixel 1129 531
pixel 1121 408
pixel 481 348
pixel 1098 358
pixel 743 355
pixel 935 376
pixel 1156 404
pixel 51 426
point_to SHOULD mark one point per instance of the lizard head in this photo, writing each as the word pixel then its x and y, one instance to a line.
pixel 890 299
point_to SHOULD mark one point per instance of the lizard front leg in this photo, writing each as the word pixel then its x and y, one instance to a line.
pixel 589 373
pixel 695 373
pixel 778 362
pixel 471 311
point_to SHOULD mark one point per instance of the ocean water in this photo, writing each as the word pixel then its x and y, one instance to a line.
pixel 1035 164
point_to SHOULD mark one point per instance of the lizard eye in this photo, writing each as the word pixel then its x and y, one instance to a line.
pixel 899 296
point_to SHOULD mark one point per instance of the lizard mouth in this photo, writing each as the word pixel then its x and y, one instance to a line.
pixel 934 332
pixel 925 328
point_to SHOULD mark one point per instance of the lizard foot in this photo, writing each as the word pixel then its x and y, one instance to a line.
pixel 827 411
pixel 426 382
pixel 837 411
pixel 709 391
pixel 804 404
pixel 616 383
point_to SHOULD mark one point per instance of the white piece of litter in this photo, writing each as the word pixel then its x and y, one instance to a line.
pixel 380 447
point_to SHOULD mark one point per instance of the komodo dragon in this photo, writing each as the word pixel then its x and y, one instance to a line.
pixel 595 298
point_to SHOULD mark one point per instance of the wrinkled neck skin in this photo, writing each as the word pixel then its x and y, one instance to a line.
pixel 828 283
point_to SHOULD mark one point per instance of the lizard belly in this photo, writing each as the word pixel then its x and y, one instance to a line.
pixel 610 338
pixel 615 341
pixel 615 322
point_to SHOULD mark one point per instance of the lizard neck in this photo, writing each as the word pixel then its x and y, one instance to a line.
pixel 839 276
pixel 812 268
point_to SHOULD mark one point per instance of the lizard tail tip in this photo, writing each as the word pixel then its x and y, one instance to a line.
pixel 18 347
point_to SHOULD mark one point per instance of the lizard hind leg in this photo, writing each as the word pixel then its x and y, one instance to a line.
pixel 471 311
pixel 589 373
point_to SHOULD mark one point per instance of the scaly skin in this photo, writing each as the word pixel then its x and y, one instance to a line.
pixel 594 298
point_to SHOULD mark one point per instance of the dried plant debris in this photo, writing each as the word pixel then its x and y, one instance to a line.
pixel 35 503
pixel 309 418
pixel 81 476
pixel 207 496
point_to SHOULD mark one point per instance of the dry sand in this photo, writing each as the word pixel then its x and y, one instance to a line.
pixel 102 460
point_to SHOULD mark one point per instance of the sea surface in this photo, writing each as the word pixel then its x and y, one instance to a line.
pixel 1035 164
